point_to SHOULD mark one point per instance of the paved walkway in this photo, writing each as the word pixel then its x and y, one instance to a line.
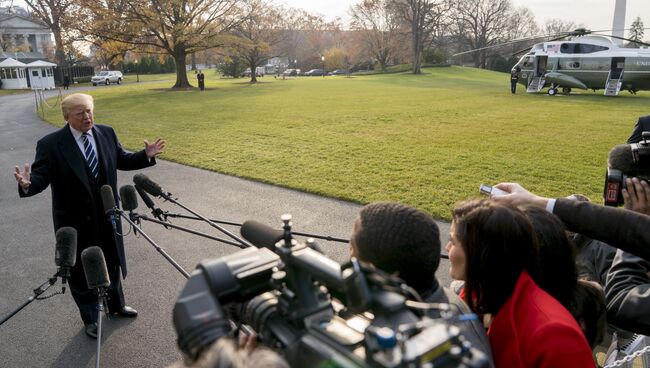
pixel 49 333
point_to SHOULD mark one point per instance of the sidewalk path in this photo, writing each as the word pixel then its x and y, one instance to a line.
pixel 49 333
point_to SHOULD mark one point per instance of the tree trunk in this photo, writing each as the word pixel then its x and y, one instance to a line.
pixel 253 72
pixel 415 29
pixel 59 53
pixel 181 73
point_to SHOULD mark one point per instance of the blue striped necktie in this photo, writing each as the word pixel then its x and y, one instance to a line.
pixel 91 158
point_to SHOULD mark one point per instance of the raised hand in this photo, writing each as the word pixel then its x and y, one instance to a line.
pixel 22 177
pixel 155 148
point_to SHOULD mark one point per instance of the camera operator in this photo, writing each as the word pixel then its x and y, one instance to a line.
pixel 643 125
pixel 403 240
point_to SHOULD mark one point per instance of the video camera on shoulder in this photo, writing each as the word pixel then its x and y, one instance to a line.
pixel 626 161
pixel 314 311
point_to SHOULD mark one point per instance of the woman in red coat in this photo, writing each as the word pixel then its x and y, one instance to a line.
pixel 493 250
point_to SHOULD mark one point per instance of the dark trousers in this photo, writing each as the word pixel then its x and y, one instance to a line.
pixel 513 86
pixel 86 299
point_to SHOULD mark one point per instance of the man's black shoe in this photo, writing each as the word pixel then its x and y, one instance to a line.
pixel 127 311
pixel 91 330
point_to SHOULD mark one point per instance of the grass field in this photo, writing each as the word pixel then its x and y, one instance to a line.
pixel 426 140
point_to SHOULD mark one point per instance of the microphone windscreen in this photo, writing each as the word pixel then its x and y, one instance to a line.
pixel 147 185
pixel 145 197
pixel 95 270
pixel 620 158
pixel 260 235
pixel 129 198
pixel 108 200
pixel 65 254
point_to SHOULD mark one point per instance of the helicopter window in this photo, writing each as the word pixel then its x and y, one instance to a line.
pixel 528 61
pixel 581 48
pixel 573 65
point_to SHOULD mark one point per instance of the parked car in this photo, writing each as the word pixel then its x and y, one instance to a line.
pixel 340 72
pixel 315 72
pixel 290 72
pixel 107 77
pixel 259 72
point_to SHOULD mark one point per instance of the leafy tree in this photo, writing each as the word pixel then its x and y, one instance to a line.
pixel 260 31
pixel 58 16
pixel 636 32
pixel 232 66
pixel 172 27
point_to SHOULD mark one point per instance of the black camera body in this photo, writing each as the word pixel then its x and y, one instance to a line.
pixel 313 310
pixel 631 164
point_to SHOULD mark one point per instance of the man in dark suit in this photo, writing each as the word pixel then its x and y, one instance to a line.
pixel 643 125
pixel 75 161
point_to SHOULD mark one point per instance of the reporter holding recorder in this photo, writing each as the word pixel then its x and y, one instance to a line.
pixel 76 161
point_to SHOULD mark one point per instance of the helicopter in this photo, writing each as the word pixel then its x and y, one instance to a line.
pixel 585 62
pixel 582 59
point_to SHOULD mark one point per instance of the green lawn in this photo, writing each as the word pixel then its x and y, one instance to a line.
pixel 426 140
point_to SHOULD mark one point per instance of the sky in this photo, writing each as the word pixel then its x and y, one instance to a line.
pixel 594 14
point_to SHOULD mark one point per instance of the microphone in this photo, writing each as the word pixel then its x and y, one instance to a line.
pixel 157 212
pixel 65 254
pixel 95 270
pixel 260 235
pixel 108 201
pixel 149 186
pixel 129 198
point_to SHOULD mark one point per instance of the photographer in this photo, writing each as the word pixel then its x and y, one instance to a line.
pixel 403 240
pixel 643 125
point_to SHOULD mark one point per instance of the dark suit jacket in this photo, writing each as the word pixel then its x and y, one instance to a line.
pixel 60 164
pixel 643 125
pixel 617 227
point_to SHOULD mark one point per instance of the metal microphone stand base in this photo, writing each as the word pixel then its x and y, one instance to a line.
pixel 101 294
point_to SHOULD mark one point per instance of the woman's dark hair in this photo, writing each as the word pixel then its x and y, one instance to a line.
pixel 557 255
pixel 589 309
pixel 499 245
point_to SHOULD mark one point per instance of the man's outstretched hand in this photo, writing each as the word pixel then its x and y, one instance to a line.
pixel 22 177
pixel 155 148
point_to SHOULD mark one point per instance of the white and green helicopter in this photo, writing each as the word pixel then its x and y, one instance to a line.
pixel 585 61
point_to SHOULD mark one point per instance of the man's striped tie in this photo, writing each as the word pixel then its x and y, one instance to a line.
pixel 91 158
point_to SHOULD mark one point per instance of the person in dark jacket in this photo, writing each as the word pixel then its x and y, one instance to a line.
pixel 201 78
pixel 643 125
pixel 75 162
pixel 405 241
pixel 514 78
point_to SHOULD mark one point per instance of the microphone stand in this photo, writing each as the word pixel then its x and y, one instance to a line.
pixel 158 248
pixel 38 291
pixel 324 237
pixel 168 197
pixel 172 226
pixel 101 299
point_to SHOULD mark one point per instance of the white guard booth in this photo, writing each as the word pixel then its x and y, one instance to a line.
pixel 12 74
pixel 40 74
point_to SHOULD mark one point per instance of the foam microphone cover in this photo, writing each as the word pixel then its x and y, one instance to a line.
pixel 620 158
pixel 147 185
pixel 65 254
pixel 94 265
pixel 108 200
pixel 145 197
pixel 129 198
pixel 260 235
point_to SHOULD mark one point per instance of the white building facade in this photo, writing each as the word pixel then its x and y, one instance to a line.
pixel 20 33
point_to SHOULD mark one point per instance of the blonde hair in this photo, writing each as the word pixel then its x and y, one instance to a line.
pixel 76 99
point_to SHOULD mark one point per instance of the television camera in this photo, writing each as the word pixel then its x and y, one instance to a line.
pixel 626 161
pixel 315 311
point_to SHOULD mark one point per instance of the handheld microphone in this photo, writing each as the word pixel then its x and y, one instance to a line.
pixel 149 186
pixel 262 236
pixel 95 270
pixel 108 201
pixel 65 254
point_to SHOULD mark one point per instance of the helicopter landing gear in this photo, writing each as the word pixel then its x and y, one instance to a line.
pixel 552 91
pixel 566 90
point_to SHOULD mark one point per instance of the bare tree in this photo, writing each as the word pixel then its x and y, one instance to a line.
pixel 377 26
pixel 425 19
pixel 172 27
pixel 261 31
pixel 57 15
pixel 482 23
pixel 557 26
